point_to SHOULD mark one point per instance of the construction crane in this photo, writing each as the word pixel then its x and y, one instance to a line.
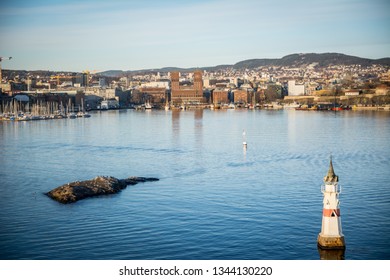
pixel 65 77
pixel 1 59
pixel 89 73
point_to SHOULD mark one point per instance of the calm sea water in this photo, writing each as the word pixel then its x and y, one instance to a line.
pixel 214 200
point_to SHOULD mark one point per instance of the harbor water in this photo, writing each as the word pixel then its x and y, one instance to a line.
pixel 214 199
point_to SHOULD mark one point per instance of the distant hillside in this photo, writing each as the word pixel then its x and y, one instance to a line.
pixel 112 73
pixel 117 73
pixel 253 63
pixel 292 60
pixel 323 60
pixel 383 61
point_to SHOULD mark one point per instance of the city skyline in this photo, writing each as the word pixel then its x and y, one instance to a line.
pixel 132 35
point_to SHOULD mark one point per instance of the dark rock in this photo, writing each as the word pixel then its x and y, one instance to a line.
pixel 100 185
pixel 136 180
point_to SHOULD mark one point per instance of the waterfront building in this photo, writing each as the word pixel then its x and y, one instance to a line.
pixel 220 96
pixel 295 89
pixel 109 104
pixel 240 96
pixel 187 94
pixel 154 94
pixel 351 92
pixel 92 101
pixel 310 88
pixel 331 236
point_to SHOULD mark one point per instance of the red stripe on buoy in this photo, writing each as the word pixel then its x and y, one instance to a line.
pixel 328 212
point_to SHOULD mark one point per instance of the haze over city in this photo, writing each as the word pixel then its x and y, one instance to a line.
pixel 130 35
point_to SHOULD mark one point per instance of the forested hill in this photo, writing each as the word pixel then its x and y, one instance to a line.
pixel 322 60
pixel 292 60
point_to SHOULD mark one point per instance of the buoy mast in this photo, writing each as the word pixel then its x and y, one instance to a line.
pixel 244 144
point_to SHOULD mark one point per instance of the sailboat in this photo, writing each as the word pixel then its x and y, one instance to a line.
pixel 71 115
pixel 86 115
pixel 82 113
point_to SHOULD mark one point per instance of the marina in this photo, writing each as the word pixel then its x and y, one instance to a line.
pixel 16 111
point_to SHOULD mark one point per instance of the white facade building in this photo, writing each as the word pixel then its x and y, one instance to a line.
pixel 206 82
pixel 159 84
pixel 352 93
pixel 295 89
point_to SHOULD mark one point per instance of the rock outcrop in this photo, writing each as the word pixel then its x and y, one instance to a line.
pixel 100 185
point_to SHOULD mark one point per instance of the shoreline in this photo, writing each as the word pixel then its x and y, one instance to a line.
pixel 26 117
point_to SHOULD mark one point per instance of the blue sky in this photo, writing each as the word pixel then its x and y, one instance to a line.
pixel 131 35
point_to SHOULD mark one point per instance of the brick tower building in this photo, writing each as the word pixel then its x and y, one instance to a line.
pixel 187 94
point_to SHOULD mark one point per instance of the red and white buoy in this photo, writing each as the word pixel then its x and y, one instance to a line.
pixel 331 236
pixel 244 144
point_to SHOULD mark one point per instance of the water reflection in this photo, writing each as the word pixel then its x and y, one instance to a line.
pixel 292 127
pixel 175 122
pixel 198 118
pixel 244 152
pixel 198 128
pixel 331 254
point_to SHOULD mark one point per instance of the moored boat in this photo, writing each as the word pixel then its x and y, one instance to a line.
pixel 72 116
pixel 148 106
pixel 291 105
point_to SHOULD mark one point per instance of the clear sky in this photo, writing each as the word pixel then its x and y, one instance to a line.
pixel 131 35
